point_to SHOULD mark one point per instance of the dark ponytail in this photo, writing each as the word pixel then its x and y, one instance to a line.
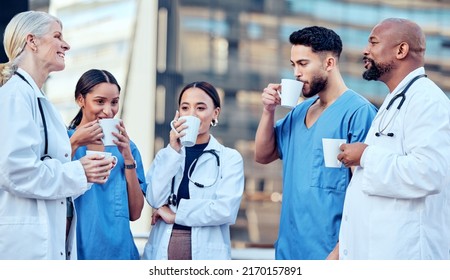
pixel 77 120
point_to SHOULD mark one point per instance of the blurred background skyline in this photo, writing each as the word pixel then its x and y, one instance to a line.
pixel 155 47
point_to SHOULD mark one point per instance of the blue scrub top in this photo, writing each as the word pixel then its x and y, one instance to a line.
pixel 313 195
pixel 103 226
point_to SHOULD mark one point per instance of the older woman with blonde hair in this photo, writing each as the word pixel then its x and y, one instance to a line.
pixel 37 177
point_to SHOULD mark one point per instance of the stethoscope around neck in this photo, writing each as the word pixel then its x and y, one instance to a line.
pixel 402 95
pixel 172 199
pixel 44 123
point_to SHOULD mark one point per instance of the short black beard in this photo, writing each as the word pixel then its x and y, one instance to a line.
pixel 317 85
pixel 375 70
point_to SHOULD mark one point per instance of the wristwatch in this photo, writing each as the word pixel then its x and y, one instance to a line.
pixel 130 166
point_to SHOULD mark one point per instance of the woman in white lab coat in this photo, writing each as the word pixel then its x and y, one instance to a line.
pixel 196 190
pixel 37 176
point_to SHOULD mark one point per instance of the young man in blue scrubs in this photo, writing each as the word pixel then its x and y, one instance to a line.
pixel 313 195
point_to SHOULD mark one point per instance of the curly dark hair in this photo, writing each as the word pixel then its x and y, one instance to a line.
pixel 320 39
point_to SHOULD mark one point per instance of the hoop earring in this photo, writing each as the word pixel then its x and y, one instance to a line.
pixel 214 122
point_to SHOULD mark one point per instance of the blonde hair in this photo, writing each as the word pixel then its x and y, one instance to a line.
pixel 21 25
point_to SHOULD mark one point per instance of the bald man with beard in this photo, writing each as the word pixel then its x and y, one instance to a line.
pixel 397 202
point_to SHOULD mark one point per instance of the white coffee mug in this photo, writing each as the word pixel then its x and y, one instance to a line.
pixel 290 92
pixel 193 124
pixel 106 154
pixel 109 126
pixel 331 150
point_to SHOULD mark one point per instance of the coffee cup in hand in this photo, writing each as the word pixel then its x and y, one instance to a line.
pixel 109 126
pixel 191 131
pixel 331 150
pixel 290 92
pixel 105 154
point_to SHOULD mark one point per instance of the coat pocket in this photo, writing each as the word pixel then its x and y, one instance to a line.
pixel 24 238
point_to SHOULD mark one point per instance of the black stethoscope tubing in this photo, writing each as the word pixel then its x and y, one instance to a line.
pixel 172 199
pixel 401 95
pixel 46 155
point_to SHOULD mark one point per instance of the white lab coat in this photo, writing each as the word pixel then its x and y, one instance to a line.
pixel 33 192
pixel 209 211
pixel 397 203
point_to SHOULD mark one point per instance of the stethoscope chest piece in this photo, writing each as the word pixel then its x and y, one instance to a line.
pixel 172 199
